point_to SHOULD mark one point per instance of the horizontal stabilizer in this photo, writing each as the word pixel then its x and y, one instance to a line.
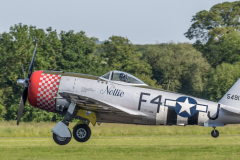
pixel 231 109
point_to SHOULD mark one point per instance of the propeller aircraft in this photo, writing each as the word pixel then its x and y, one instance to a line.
pixel 119 97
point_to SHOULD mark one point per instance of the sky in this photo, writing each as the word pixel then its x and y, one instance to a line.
pixel 141 21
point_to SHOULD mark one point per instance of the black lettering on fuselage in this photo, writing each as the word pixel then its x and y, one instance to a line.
pixel 112 91
pixel 142 100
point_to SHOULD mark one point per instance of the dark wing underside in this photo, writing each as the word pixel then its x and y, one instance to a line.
pixel 98 106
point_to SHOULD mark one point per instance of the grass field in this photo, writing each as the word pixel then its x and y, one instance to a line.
pixel 109 141
pixel 122 147
pixel 43 129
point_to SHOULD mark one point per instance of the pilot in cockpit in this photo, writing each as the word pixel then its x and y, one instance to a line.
pixel 115 76
pixel 122 77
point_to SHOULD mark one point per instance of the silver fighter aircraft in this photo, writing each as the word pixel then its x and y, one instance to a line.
pixel 119 97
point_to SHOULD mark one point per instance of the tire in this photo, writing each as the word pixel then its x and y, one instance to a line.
pixel 60 140
pixel 81 133
pixel 216 134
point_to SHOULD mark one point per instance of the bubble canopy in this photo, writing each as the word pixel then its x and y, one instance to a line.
pixel 122 77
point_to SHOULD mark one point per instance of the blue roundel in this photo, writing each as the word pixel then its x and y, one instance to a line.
pixel 185 106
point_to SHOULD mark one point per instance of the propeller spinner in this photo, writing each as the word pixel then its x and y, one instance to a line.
pixel 25 82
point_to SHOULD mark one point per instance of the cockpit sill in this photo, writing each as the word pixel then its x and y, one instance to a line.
pixel 135 81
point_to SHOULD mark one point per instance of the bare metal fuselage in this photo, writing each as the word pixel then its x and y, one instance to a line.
pixel 140 99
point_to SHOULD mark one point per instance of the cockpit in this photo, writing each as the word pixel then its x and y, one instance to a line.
pixel 121 77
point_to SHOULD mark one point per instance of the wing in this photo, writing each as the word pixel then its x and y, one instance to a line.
pixel 99 106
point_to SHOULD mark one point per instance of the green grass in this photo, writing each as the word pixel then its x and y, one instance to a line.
pixel 43 129
pixel 122 147
pixel 118 141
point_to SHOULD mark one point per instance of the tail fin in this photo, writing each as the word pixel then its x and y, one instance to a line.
pixel 232 97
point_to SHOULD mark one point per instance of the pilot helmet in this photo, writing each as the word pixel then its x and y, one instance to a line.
pixel 122 77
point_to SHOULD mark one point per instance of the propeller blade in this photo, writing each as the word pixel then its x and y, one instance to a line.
pixel 22 104
pixel 32 63
pixel 23 71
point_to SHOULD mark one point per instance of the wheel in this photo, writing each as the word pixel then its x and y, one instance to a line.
pixel 62 140
pixel 215 134
pixel 81 133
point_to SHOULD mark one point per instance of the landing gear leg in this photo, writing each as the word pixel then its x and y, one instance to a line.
pixel 61 134
pixel 214 133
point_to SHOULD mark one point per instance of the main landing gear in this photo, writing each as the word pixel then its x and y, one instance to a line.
pixel 215 133
pixel 81 132
pixel 61 133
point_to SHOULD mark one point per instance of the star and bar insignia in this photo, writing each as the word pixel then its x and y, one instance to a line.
pixel 186 106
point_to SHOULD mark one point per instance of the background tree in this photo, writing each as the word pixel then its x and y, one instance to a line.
pixel 2 112
pixel 223 46
pixel 178 67
pixel 121 54
pixel 16 48
pixel 217 33
pixel 77 55
pixel 221 80
pixel 220 15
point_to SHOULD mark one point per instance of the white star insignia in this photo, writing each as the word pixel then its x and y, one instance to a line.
pixel 185 106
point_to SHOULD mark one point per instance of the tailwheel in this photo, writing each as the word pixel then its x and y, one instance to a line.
pixel 61 140
pixel 81 133
pixel 214 133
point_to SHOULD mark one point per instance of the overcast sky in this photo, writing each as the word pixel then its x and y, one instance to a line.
pixel 141 21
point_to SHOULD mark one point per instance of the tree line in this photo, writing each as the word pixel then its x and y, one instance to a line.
pixel 205 69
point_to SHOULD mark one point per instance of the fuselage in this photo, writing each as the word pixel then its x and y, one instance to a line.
pixel 161 107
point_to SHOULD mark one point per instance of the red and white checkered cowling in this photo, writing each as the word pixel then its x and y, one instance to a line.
pixel 42 90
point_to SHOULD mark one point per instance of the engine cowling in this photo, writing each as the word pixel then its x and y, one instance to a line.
pixel 42 90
